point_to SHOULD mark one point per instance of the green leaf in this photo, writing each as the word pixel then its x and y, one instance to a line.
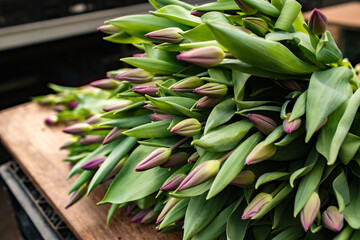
pixel 341 189
pixel 264 7
pixel 349 148
pixel 351 211
pixel 327 91
pixel 233 165
pixel 178 14
pixel 308 185
pixel 83 178
pixel 164 142
pixel 127 122
pixel 239 79
pixel 130 185
pixel 236 227
pixel 200 33
pixel 269 177
pixel 220 114
pixel 294 232
pixel 194 191
pixel 153 65
pixel 150 130
pixel 292 136
pixel 260 108
pixel 345 234
pixel 274 135
pixel 327 51
pixel 110 162
pixel 161 3
pixel 176 213
pixel 111 213
pixel 201 212
pixel 218 6
pixel 309 164
pixel 123 38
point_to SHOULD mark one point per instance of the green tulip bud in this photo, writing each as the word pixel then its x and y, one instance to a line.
pixel 292 126
pixel 264 124
pixel 260 153
pixel 256 25
pixel 256 205
pixel 209 56
pixel 333 219
pixel 188 127
pixel 136 75
pixel 156 158
pixel 170 35
pixel 244 178
pixel 212 90
pixel 309 212
pixel 187 84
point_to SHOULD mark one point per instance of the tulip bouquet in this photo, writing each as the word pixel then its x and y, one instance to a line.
pixel 237 121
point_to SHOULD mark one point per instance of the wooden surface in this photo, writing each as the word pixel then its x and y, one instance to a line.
pixel 345 15
pixel 35 147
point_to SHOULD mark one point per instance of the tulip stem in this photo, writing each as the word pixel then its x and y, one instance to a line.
pixel 179 143
pixel 277 190
pixel 223 158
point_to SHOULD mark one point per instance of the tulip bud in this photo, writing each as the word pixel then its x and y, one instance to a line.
pixel 209 56
pixel 333 219
pixel 292 126
pixel 160 117
pixel 173 183
pixel 260 153
pixel 113 135
pixel 309 212
pixel 108 29
pixel 256 25
pixel 244 178
pixel 292 85
pixel 48 99
pixel 200 174
pixel 69 143
pixel 176 160
pixel 212 90
pixel 76 195
pixel 106 84
pixel 93 119
pixel 194 157
pixel 149 88
pixel 115 170
pixel 187 84
pixel 139 215
pixel 91 139
pixel 78 129
pixel 139 55
pixel 170 35
pixel 256 205
pixel 118 105
pixel 317 22
pixel 155 158
pixel 129 209
pixel 188 127
pixel 58 108
pixel 264 124
pixel 72 104
pixel 245 8
pixel 136 75
pixel 168 206
pixel 51 120
pixel 149 217
pixel 94 163
pixel 208 102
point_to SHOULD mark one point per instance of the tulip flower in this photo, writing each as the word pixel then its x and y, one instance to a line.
pixel 209 56
pixel 170 35
pixel 245 8
pixel 155 158
pixel 333 219
pixel 93 119
pixel 260 153
pixel 292 126
pixel 91 139
pixel 108 29
pixel 264 124
pixel 113 135
pixel 72 104
pixel 317 22
pixel 94 163
pixel 194 157
pixel 188 127
pixel 168 206
pixel 256 205
pixel 292 85
pixel 118 105
pixel 176 160
pixel 106 84
pixel 211 90
pixel 173 183
pixel 136 75
pixel 198 13
pixel 76 195
pixel 161 117
pixel 140 215
pixel 149 217
pixel 51 120
pixel 78 129
pixel 208 102
pixel 256 25
pixel 244 178
pixel 309 212
pixel 147 88
pixel 187 84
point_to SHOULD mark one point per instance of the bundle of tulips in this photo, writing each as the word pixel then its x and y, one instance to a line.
pixel 238 121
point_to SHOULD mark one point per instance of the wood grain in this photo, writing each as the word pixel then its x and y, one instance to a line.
pixel 35 147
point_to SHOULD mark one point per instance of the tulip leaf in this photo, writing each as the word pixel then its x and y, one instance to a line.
pixel 264 7
pixel 349 148
pixel 200 33
pixel 217 226
pixel 217 6
pixel 295 150
pixel 175 213
pixel 127 122
pixel 164 142
pixel 308 185
pixel 110 162
pixel 251 104
pixel 201 212
pixel 177 14
pixel 327 51
pixel 260 108
pixel 150 130
pixel 162 3
pixel 327 91
pixel 309 164
pixel 291 136
pixel 341 189
pixel 274 135
pixel 111 213
pixel 130 185
pixel 236 227
pixel 194 191
pixel 233 165
pixel 351 211
pixel 239 79
pixel 122 37
pixel 220 114
pixel 294 232
pixel 83 178
pixel 269 177
pixel 153 65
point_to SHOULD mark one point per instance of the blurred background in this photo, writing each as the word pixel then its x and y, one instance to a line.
pixel 43 41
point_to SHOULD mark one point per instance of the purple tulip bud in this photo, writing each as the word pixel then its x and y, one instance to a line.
pixel 333 219
pixel 188 127
pixel 118 105
pixel 171 35
pixel 194 157
pixel 208 102
pixel 72 104
pixel 76 195
pixel 187 84
pixel 260 153
pixel 245 8
pixel 209 56
pixel 200 174
pixel 78 129
pixel 160 117
pixel 256 205
pixel 147 88
pixel 58 108
pixel 136 75
pixel 176 160
pixel 115 170
pixel 108 29
pixel 91 139
pixel 69 143
pixel 168 206
pixel 130 208
pixel 317 22
pixel 309 212
pixel 51 120
pixel 244 178
pixel 93 119
pixel 154 159
pixel 139 215
pixel 212 90
pixel 113 135
pixel 106 84
pixel 149 217
pixel 256 25
pixel 94 163
pixel 292 126
pixel 139 55
pixel 198 13
pixel 292 85
pixel 173 183
pixel 264 124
